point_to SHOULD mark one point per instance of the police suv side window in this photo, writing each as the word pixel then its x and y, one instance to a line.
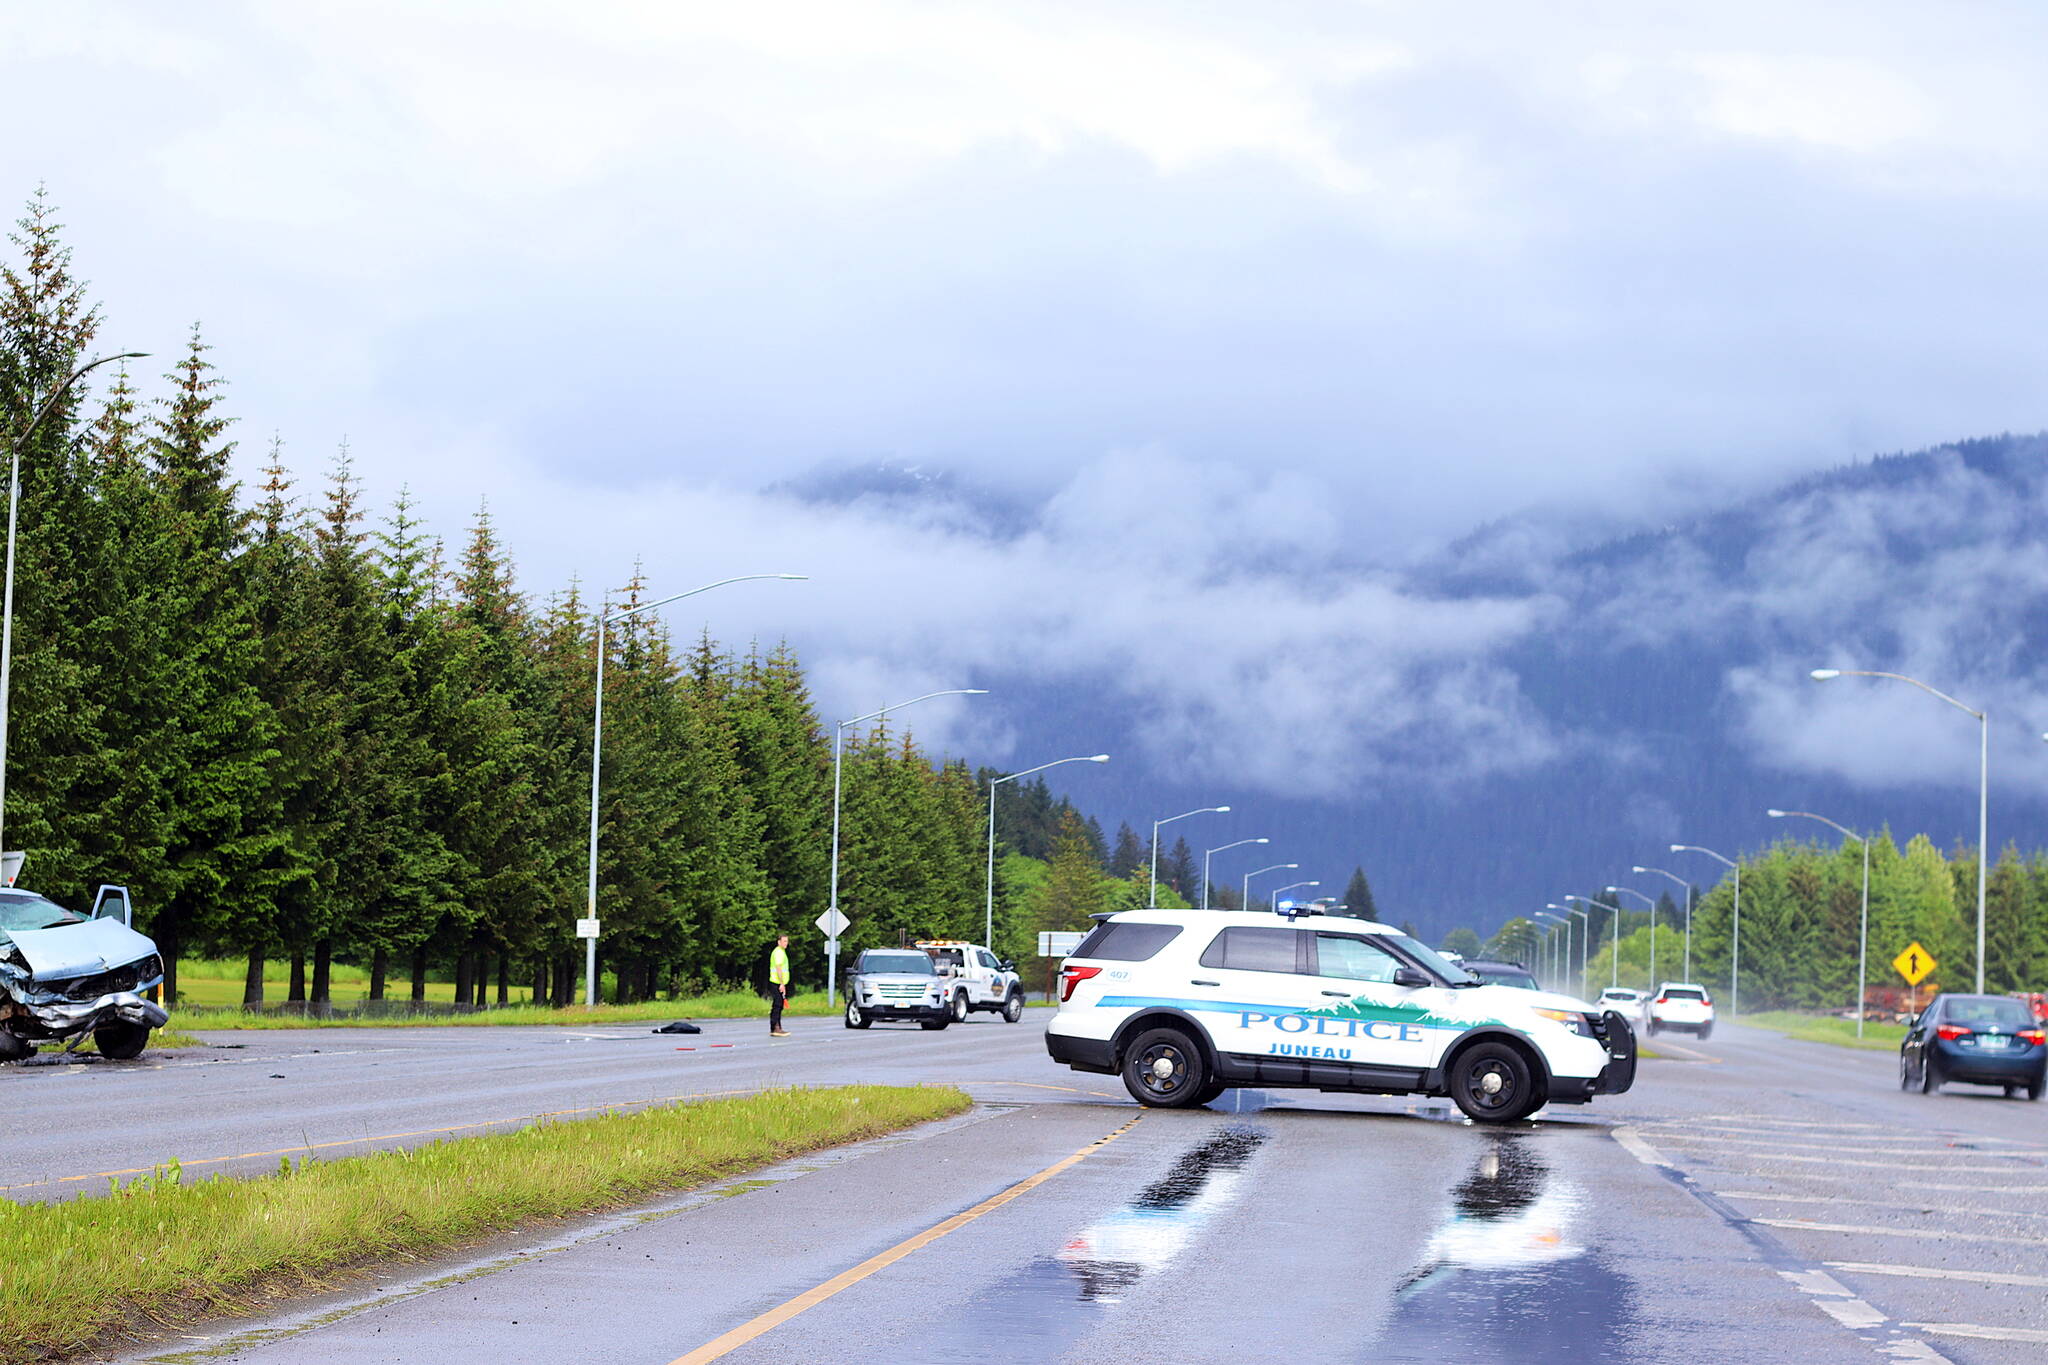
pixel 1252 950
pixel 1353 959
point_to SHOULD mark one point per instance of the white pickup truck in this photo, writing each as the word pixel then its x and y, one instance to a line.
pixel 980 981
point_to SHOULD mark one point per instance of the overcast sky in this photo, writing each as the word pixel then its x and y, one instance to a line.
pixel 1201 279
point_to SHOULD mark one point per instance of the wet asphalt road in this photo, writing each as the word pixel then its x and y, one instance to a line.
pixel 1770 1200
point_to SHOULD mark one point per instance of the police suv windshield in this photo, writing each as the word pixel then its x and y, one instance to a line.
pixel 1435 961
pixel 903 964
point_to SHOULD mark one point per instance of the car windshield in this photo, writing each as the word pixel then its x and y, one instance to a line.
pixel 1506 976
pixel 1629 997
pixel 29 911
pixel 1429 957
pixel 1988 1012
pixel 911 964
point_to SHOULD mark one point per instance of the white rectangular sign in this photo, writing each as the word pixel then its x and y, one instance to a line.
pixel 586 928
pixel 1058 944
pixel 832 924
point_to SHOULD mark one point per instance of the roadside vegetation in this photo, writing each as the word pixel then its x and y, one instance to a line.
pixel 725 1005
pixel 160 1250
pixel 1879 1035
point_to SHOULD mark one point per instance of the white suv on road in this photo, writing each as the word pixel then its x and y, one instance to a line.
pixel 1185 1004
pixel 1682 1005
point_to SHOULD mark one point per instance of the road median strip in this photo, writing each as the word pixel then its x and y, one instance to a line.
pixel 160 1251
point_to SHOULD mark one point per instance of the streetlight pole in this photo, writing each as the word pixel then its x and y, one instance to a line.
pixel 1614 963
pixel 989 917
pixel 1673 876
pixel 597 746
pixel 1209 853
pixel 1246 903
pixel 14 446
pixel 1153 897
pixel 1289 887
pixel 1585 938
pixel 838 748
pixel 1863 924
pixel 1735 952
pixel 1983 782
pixel 1653 927
pixel 1566 922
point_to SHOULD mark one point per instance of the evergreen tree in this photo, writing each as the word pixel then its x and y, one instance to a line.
pixel 1128 852
pixel 1177 870
pixel 1358 896
pixel 1074 890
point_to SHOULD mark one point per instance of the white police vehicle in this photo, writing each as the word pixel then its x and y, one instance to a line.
pixel 1186 1004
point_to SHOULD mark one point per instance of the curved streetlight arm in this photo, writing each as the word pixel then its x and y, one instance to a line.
pixel 626 613
pixel 1823 674
pixel 1207 852
pixel 1809 815
pixel 1695 848
pixel 949 692
pixel 1668 876
pixel 1631 891
pixel 1152 895
pixel 1084 758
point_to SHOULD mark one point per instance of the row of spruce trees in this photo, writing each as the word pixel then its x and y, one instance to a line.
pixel 1802 911
pixel 301 732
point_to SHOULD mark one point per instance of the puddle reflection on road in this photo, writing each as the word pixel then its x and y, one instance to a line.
pixel 1506 1277
pixel 1057 1299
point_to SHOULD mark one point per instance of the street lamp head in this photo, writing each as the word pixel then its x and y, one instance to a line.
pixel 1823 674
pixel 795 577
pixel 1639 869
pixel 1268 841
pixel 974 691
pixel 1220 810
pixel 1099 758
pixel 1678 848
pixel 1775 814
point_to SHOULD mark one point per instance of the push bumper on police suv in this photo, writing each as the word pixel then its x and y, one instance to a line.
pixel 1612 1031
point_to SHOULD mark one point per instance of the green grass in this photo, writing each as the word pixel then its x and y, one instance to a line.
pixel 160 1249
pixel 725 1005
pixel 1878 1035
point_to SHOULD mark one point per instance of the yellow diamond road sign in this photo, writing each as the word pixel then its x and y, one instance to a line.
pixel 1914 964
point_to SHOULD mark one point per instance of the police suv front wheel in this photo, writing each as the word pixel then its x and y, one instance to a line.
pixel 1492 1084
pixel 1165 1070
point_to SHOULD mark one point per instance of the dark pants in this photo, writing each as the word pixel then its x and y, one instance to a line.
pixel 774 1008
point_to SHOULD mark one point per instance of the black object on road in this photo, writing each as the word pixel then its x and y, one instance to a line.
pixel 679 1026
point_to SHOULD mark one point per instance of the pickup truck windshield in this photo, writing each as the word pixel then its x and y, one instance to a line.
pixel 910 964
pixel 20 910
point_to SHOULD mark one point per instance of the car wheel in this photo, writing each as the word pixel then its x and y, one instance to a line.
pixel 2034 1091
pixel 1905 1074
pixel 934 1025
pixel 1930 1075
pixel 856 1017
pixel 121 1041
pixel 960 1008
pixel 14 1047
pixel 1492 1084
pixel 1706 1032
pixel 1651 1028
pixel 1164 1069
pixel 2012 1092
pixel 1212 1092
pixel 1013 1007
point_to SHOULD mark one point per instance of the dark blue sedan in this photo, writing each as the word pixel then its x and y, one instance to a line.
pixel 1977 1039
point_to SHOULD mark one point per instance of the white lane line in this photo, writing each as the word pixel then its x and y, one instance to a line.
pixel 1963 1329
pixel 1875 1203
pixel 1633 1143
pixel 1758 1142
pixel 1928 1272
pixel 1801 1225
pixel 1940 1142
pixel 1947 1168
pixel 1901 1184
pixel 1794 1123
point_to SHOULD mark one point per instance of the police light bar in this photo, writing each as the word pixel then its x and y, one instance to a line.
pixel 1296 909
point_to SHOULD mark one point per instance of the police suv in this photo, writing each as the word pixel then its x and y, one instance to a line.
pixel 1185 1004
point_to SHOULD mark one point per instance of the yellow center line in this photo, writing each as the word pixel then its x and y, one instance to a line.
pixel 382 1137
pixel 846 1279
pixel 1034 1085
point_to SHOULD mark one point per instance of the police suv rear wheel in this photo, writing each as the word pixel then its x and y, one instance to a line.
pixel 1013 1007
pixel 1164 1069
pixel 1492 1084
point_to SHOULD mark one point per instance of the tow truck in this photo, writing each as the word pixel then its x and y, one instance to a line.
pixel 979 979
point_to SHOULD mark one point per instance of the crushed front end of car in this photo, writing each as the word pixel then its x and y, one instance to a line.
pixel 61 983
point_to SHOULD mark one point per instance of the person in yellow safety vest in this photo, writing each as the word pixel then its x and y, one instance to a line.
pixel 778 986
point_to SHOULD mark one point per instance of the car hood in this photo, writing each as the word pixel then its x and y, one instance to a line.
pixel 70 950
pixel 1508 996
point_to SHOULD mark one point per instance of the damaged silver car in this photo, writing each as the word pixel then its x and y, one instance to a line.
pixel 64 975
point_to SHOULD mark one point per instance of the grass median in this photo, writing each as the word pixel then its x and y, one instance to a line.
pixel 724 1005
pixel 164 1250
pixel 1878 1035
